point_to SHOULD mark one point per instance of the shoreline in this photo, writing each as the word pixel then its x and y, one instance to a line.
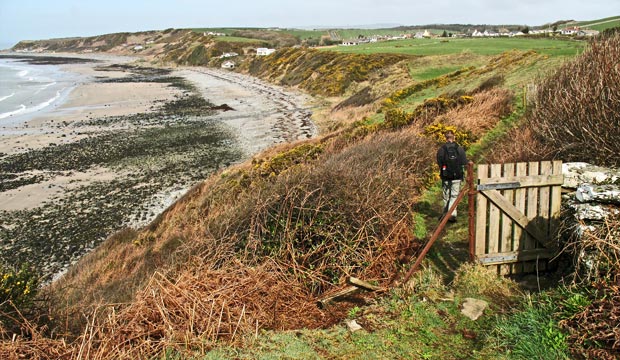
pixel 123 147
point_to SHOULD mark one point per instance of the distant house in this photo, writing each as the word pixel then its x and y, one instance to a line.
pixel 138 48
pixel 477 33
pixel 570 31
pixel 587 33
pixel 418 35
pixel 228 65
pixel 228 54
pixel 264 51
pixel 213 33
pixel 349 42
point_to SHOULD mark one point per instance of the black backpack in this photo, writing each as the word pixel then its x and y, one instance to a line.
pixel 451 169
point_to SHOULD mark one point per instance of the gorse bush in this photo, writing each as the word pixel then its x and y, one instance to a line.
pixel 320 72
pixel 577 109
pixel 17 287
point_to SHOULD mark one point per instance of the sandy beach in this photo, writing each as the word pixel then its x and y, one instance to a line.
pixel 124 145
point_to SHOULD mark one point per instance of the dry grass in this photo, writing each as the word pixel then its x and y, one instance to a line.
pixel 482 114
pixel 520 144
pixel 246 250
pixel 596 252
pixel 594 331
pixel 198 308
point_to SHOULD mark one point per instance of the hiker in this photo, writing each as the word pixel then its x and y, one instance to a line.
pixel 451 159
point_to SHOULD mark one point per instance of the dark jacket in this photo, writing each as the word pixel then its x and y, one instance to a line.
pixel 441 158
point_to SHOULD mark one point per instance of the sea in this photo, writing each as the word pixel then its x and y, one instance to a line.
pixel 27 90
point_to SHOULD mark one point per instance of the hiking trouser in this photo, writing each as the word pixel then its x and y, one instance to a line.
pixel 451 189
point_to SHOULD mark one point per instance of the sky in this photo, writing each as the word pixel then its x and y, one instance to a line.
pixel 47 19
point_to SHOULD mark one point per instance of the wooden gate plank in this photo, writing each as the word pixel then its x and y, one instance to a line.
pixel 494 215
pixel 514 257
pixel 529 180
pixel 544 199
pixel 517 216
pixel 556 199
pixel 506 221
pixel 515 225
pixel 520 205
pixel 531 212
pixel 481 214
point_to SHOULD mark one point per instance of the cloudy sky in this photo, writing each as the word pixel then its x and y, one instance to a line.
pixel 45 19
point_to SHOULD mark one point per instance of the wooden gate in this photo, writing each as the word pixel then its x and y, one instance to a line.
pixel 517 215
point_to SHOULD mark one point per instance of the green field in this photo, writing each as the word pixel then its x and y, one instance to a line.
pixel 600 24
pixel 306 34
pixel 237 39
pixel 483 46
pixel 354 33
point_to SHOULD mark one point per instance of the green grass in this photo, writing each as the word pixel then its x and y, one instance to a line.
pixel 605 26
pixel 305 34
pixel 406 327
pixel 533 333
pixel 237 39
pixel 226 31
pixel 483 46
pixel 427 73
pixel 600 24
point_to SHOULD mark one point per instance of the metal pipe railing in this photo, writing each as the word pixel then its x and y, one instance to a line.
pixel 444 221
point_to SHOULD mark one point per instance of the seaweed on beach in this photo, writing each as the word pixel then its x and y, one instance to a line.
pixel 157 159
pixel 49 60
pixel 12 181
pixel 169 149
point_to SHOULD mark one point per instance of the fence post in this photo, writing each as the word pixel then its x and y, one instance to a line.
pixel 471 198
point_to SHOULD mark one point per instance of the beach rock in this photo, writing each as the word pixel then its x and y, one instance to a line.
pixel 473 308
pixel 588 192
pixel 353 325
pixel 596 212
pixel 576 173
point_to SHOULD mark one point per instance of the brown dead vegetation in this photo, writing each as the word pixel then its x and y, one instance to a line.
pixel 577 109
pixel 482 114
pixel 250 249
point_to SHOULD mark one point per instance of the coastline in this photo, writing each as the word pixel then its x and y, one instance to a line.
pixel 122 147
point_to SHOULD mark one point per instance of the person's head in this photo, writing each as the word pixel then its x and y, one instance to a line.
pixel 449 136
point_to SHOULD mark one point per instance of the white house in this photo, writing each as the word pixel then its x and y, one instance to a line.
pixel 138 47
pixel 228 65
pixel 570 31
pixel 228 54
pixel 264 51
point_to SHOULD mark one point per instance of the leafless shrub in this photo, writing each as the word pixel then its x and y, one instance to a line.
pixel 596 251
pixel 577 109
pixel 518 145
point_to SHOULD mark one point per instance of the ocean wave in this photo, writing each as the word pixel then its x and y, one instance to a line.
pixel 44 86
pixel 25 109
pixel 6 97
pixel 21 109
pixel 23 73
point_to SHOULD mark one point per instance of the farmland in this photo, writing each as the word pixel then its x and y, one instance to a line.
pixel 477 46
